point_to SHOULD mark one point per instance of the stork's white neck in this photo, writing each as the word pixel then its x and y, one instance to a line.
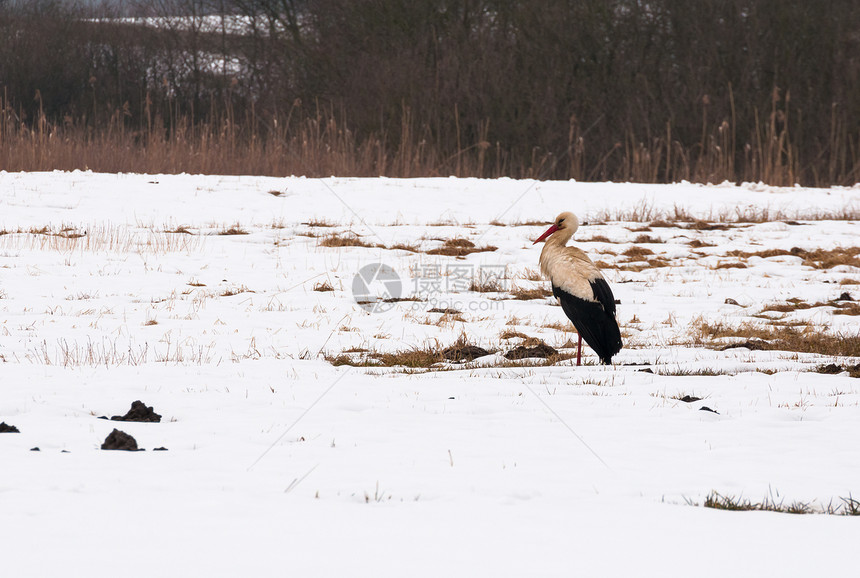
pixel 561 237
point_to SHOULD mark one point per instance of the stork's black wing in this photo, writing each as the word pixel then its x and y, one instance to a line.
pixel 603 294
pixel 594 320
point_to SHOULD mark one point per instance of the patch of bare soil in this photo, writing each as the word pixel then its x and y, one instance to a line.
pixel 541 350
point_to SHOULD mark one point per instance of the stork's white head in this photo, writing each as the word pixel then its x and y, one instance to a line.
pixel 563 228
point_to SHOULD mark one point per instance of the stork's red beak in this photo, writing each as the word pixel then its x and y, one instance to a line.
pixel 546 234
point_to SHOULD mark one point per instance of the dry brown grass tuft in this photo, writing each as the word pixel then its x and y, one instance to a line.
pixel 637 252
pixel 661 224
pixel 532 275
pixel 766 253
pixel 698 225
pixel 565 326
pixel 595 239
pixel 408 358
pixel 488 285
pixel 459 248
pixel 356 350
pixel 843 306
pixel 318 223
pixel 181 229
pixel 793 304
pixel 401 299
pixel 638 266
pixel 235 229
pixel 523 294
pixel 323 286
pixel 647 239
pixel 848 506
pixel 780 338
pixel 401 247
pixel 411 359
pixel 816 258
pixel 337 240
pixel 511 334
pixel 827 259
pixel 698 244
pixel 846 308
pixel 65 232
pixel 731 266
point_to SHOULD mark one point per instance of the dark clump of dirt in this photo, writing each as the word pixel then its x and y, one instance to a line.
pixel 689 399
pixel 6 428
pixel 162 449
pixel 138 412
pixel 465 352
pixel 36 449
pixel 846 296
pixel 119 440
pixel 830 368
pixel 706 408
pixel 833 369
pixel 540 350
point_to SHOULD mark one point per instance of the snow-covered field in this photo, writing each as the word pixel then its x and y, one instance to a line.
pixel 115 288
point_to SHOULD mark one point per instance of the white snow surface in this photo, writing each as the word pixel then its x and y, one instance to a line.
pixel 115 288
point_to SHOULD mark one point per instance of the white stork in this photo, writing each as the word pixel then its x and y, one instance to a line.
pixel 582 292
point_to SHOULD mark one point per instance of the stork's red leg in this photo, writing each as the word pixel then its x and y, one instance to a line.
pixel 579 351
